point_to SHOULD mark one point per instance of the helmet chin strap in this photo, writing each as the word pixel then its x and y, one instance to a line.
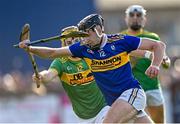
pixel 99 39
pixel 97 33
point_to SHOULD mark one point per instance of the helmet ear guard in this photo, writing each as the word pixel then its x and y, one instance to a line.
pixel 90 21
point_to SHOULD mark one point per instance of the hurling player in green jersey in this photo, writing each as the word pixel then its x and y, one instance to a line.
pixel 76 77
pixel 135 20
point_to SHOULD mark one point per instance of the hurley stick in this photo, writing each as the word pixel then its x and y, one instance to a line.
pixel 25 35
pixel 58 37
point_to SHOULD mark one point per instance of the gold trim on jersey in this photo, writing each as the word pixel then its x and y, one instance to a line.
pixel 81 78
pixel 108 64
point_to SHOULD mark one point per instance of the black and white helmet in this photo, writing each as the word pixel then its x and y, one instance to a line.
pixel 90 21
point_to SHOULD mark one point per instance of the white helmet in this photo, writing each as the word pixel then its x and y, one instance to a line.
pixel 135 8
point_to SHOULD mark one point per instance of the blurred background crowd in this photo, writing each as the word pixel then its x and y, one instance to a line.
pixel 21 101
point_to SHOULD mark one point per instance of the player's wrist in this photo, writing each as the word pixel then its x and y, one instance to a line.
pixel 28 49
pixel 156 66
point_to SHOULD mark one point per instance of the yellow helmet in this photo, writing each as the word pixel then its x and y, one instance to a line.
pixel 66 31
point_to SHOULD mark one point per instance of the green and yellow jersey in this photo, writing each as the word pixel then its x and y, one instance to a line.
pixel 80 86
pixel 139 65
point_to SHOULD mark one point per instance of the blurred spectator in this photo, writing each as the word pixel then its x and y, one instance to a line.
pixel 18 83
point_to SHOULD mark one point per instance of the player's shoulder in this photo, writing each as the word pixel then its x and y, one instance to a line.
pixel 151 34
pixel 115 37
pixel 124 31
pixel 61 60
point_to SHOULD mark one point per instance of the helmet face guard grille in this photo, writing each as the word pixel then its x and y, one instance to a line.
pixel 90 22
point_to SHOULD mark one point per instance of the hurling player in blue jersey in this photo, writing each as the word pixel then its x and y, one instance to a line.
pixel 108 57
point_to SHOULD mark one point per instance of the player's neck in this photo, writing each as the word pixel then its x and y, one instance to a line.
pixel 133 32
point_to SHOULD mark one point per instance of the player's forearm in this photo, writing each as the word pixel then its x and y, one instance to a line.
pixel 45 76
pixel 46 52
pixel 138 53
pixel 158 51
pixel 48 75
pixel 43 52
pixel 142 53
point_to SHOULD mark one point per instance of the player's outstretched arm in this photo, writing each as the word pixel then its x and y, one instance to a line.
pixel 46 52
pixel 50 53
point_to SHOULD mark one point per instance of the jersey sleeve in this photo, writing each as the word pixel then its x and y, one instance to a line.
pixel 131 43
pixel 76 50
pixel 57 65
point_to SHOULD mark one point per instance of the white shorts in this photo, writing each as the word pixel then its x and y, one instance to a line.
pixel 154 97
pixel 137 98
pixel 98 118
